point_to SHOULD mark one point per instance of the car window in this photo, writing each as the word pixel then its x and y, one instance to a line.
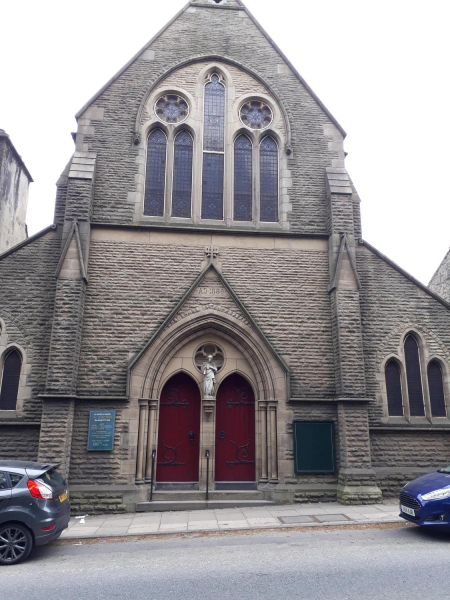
pixel 445 470
pixel 52 477
pixel 3 482
pixel 15 479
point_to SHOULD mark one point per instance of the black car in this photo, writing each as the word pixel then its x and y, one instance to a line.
pixel 34 508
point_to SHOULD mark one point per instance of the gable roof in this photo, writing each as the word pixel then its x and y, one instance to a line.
pixel 240 6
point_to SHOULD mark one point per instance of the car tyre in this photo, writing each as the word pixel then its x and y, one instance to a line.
pixel 15 543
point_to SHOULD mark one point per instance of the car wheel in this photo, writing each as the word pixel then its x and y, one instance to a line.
pixel 15 543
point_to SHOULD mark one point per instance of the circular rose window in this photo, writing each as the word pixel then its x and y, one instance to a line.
pixel 256 114
pixel 172 109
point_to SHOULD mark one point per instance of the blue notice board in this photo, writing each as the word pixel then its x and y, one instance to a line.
pixel 101 430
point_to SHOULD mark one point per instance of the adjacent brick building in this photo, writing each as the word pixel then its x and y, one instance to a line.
pixel 207 212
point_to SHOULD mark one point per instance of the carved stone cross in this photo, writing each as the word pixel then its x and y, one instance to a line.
pixel 212 252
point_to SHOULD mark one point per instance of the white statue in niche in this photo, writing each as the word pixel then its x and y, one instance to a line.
pixel 209 377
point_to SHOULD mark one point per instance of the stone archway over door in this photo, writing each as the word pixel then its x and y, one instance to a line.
pixel 235 431
pixel 179 431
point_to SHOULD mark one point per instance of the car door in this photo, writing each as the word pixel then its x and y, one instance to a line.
pixel 5 491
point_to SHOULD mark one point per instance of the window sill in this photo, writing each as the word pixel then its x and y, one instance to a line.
pixel 9 414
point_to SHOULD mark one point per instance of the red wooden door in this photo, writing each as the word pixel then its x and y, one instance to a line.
pixel 235 431
pixel 179 431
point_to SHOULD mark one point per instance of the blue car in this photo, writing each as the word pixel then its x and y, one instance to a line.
pixel 426 500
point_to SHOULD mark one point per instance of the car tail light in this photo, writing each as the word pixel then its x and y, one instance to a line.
pixel 49 528
pixel 39 490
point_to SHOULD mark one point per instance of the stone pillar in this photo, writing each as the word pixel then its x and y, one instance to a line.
pixel 141 454
pixel 357 480
pixel 55 442
pixel 207 441
pixel 264 478
pixel 151 440
pixel 272 442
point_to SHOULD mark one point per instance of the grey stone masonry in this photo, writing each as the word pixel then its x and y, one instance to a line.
pixel 440 282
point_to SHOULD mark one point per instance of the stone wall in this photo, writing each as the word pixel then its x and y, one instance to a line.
pixel 440 283
pixel 107 125
pixel 19 443
pixel 14 182
pixel 27 291
pixel 417 449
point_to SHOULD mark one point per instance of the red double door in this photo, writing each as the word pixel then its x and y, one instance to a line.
pixel 179 431
pixel 235 431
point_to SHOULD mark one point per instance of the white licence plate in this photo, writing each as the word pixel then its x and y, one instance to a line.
pixel 408 511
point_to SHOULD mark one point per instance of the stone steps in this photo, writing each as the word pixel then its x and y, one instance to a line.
pixel 189 504
pixel 214 495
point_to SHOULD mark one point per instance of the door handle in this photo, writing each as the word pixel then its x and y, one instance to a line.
pixel 191 436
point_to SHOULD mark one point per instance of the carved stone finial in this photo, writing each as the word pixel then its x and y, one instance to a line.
pixel 136 138
pixel 212 252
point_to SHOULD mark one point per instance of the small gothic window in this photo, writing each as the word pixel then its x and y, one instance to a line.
pixel 269 180
pixel 394 389
pixel 12 367
pixel 172 109
pixel 256 115
pixel 182 175
pixel 201 356
pixel 436 387
pixel 243 173
pixel 155 181
pixel 213 149
pixel 414 377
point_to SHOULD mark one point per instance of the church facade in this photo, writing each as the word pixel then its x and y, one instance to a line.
pixel 204 307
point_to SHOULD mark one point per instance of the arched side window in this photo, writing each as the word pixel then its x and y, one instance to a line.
pixel 213 149
pixel 243 179
pixel 269 180
pixel 155 180
pixel 414 377
pixel 436 387
pixel 12 367
pixel 394 389
pixel 182 175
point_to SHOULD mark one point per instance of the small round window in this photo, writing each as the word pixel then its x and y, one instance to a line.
pixel 256 115
pixel 172 109
pixel 202 354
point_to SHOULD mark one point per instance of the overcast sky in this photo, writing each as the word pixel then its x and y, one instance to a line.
pixel 381 68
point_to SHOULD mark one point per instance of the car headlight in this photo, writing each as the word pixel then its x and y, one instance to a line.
pixel 437 494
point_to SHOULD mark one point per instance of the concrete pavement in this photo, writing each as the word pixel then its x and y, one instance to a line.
pixel 230 519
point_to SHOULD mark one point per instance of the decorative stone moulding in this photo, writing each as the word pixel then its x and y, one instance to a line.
pixel 255 114
pixel 171 108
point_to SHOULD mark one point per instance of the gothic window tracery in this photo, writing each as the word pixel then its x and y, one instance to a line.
pixel 243 179
pixel 269 180
pixel 256 115
pixel 171 108
pixel 414 377
pixel 394 389
pixel 10 379
pixel 155 181
pixel 182 175
pixel 436 387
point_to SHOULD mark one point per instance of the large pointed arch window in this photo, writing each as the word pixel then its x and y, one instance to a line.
pixel 269 180
pixel 394 389
pixel 243 179
pixel 213 149
pixel 182 175
pixel 436 387
pixel 10 379
pixel 155 180
pixel 414 377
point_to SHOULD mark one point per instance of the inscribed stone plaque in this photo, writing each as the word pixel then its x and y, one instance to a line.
pixel 101 430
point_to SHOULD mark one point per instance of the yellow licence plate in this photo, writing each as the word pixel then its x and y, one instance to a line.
pixel 63 497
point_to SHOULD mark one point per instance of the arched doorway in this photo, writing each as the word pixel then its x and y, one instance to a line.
pixel 179 431
pixel 235 431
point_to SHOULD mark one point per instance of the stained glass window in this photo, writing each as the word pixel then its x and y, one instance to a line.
pixel 414 377
pixel 155 180
pixel 213 147
pixel 172 109
pixel 182 175
pixel 269 180
pixel 214 128
pixel 256 114
pixel 394 389
pixel 12 367
pixel 243 172
pixel 436 387
pixel 212 204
